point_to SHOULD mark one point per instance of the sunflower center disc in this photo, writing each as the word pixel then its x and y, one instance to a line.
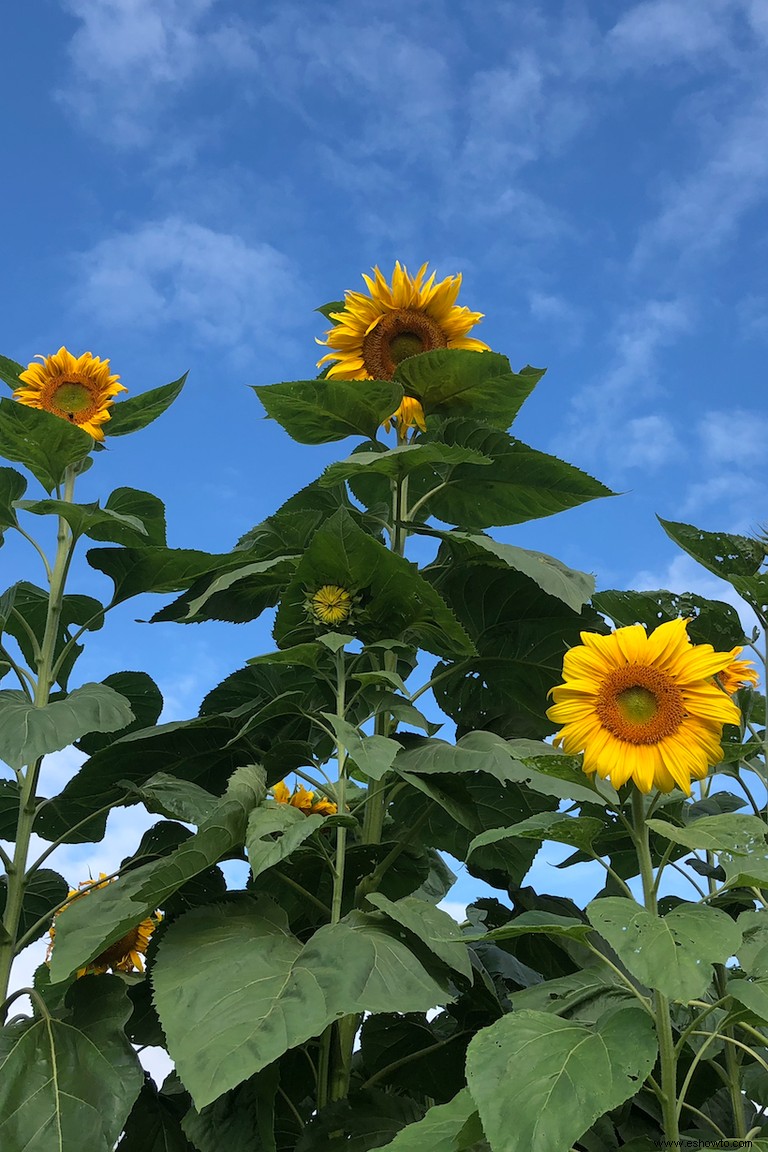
pixel 72 397
pixel 640 704
pixel 637 704
pixel 121 948
pixel 398 335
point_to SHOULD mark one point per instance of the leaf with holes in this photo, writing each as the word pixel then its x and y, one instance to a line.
pixel 673 953
pixel 539 1082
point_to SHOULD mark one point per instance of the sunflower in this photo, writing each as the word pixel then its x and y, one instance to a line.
pixel 79 390
pixel 302 798
pixel 644 708
pixel 737 674
pixel 330 604
pixel 373 333
pixel 125 955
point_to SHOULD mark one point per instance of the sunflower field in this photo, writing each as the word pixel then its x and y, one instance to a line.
pixel 435 699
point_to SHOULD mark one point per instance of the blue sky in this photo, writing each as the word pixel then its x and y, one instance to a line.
pixel 184 181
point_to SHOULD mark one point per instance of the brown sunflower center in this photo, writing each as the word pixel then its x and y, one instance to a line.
pixel 640 704
pixel 117 951
pixel 73 398
pixel 398 335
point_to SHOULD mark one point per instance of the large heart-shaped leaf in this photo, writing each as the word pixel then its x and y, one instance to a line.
pixel 28 732
pixel 70 1085
pixel 235 989
pixel 539 1082
pixel 672 953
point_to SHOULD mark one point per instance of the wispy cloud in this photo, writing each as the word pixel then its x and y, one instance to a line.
pixel 604 423
pixel 130 59
pixel 223 289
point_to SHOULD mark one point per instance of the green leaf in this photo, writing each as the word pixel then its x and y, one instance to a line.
pixel 322 411
pixel 720 552
pixel 553 775
pixel 431 926
pixel 373 755
pixel 539 1082
pixel 672 953
pixel 10 371
pixel 45 444
pixel 31 603
pixel 198 750
pixel 328 309
pixel 396 463
pixel 459 382
pixel 44 890
pixel 574 588
pixel 726 833
pixel 12 488
pixel 65 1086
pixel 455 808
pixel 156 569
pixel 221 1029
pixel 28 731
pixel 87 927
pixel 578 831
pixel 144 506
pixel 154 1124
pixel 522 485
pixel 753 951
pixel 145 702
pixel 237 1117
pixel 451 1127
pixel 84 518
pixel 176 799
pixel 751 993
pixel 9 809
pixel 275 831
pixel 395 598
pixel 713 622
pixel 361 1122
pixel 521 635
pixel 536 924
pixel 139 411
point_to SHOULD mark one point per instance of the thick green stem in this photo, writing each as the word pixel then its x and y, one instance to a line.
pixel 337 1042
pixel 667 1056
pixel 29 780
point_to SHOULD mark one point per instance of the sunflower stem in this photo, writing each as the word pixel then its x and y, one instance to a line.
pixel 337 1042
pixel 17 877
pixel 667 1055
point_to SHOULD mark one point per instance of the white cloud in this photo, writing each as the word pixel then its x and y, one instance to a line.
pixel 602 424
pixel 224 290
pixel 129 56
pixel 733 435
pixel 648 442
pixel 660 32
pixel 701 211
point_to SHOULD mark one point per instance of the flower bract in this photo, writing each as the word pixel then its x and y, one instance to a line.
pixel 80 390
pixel 126 954
pixel 377 330
pixel 304 799
pixel 644 708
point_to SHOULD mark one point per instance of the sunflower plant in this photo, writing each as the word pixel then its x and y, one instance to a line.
pixel 436 699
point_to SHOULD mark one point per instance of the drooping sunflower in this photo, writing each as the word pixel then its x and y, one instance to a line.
pixel 737 674
pixel 80 390
pixel 302 798
pixel 643 708
pixel 125 955
pixel 373 333
pixel 330 604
